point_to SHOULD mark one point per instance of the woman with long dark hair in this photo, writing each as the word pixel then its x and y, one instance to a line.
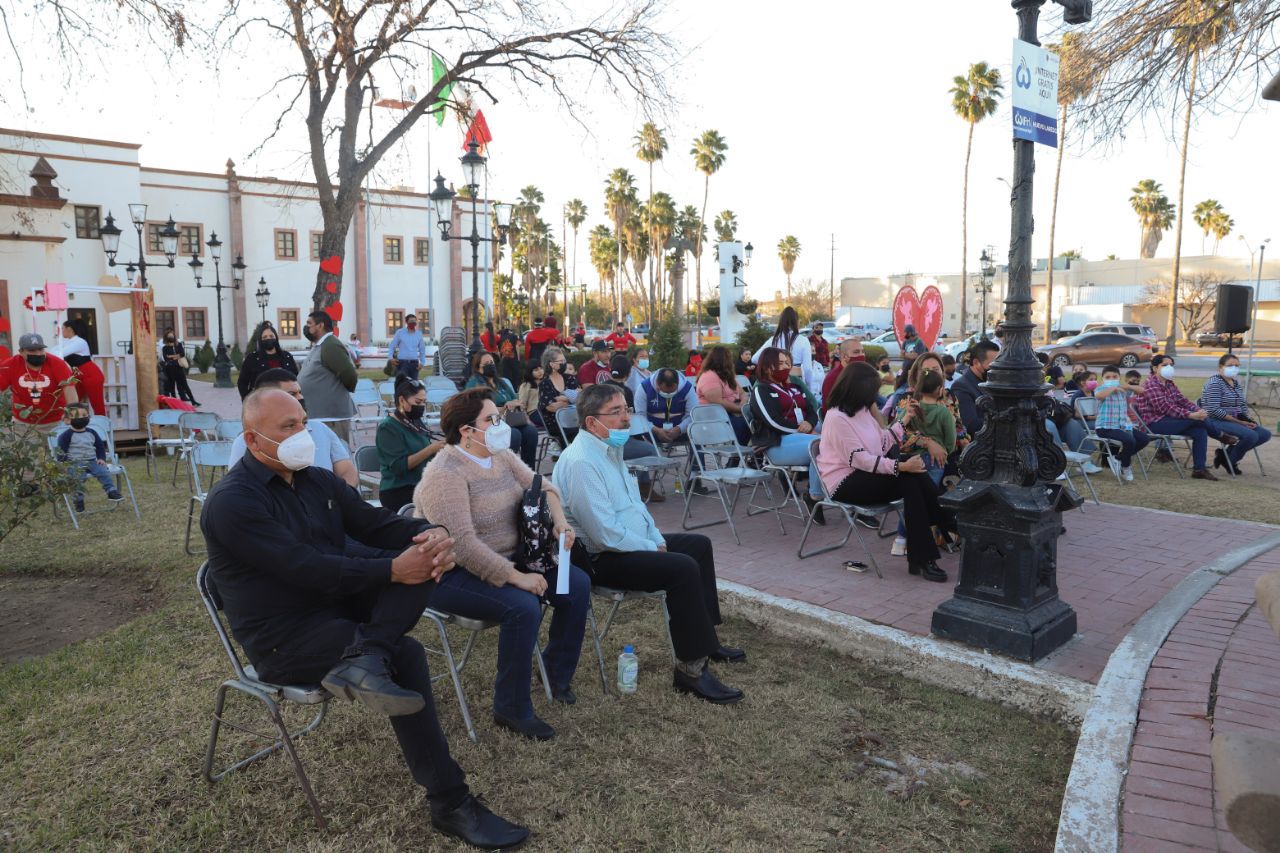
pixel 264 353
pixel 404 445
pixel 717 385
pixel 859 463
pixel 484 374
pixel 788 339
pixel 175 375
pixel 783 420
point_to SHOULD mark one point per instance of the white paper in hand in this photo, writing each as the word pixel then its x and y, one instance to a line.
pixel 562 572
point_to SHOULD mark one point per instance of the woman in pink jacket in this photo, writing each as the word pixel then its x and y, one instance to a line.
pixel 857 465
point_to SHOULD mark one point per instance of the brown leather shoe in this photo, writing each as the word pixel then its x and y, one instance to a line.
pixel 1202 474
pixel 651 494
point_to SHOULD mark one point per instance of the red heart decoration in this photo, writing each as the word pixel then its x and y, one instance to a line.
pixel 332 265
pixel 335 311
pixel 922 312
pixel 331 287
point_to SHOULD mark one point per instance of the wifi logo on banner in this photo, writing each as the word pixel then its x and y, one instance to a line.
pixel 1035 94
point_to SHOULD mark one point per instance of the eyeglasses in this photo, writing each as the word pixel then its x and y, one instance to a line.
pixel 613 413
pixel 493 420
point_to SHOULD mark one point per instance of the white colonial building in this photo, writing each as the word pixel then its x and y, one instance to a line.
pixel 56 191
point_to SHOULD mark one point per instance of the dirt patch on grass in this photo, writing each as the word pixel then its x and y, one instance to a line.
pixel 41 615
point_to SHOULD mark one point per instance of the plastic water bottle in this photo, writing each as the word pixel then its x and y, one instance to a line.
pixel 628 670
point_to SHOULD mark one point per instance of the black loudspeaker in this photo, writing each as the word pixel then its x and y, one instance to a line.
pixel 1235 305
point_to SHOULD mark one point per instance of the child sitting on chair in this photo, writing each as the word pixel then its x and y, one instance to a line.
pixel 932 418
pixel 85 449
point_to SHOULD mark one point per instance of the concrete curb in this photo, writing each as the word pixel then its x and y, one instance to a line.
pixel 1090 820
pixel 937 662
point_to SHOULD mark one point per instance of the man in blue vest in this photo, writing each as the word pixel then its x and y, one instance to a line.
pixel 667 399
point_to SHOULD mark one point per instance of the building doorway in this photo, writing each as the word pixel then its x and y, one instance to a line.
pixel 466 316
pixel 85 322
pixel 6 329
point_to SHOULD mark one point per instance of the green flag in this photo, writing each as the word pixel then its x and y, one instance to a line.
pixel 439 71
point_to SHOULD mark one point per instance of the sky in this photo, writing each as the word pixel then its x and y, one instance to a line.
pixel 837 117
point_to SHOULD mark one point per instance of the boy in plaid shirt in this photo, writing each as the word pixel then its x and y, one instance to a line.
pixel 1114 422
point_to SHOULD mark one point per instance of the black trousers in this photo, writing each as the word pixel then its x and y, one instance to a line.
pixel 395 499
pixel 378 623
pixel 687 571
pixel 920 508
pixel 175 382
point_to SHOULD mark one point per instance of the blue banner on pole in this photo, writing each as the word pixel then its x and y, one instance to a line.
pixel 1035 94
pixel 1035 127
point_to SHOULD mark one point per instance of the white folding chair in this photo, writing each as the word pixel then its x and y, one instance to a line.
pixel 213 456
pixel 1086 412
pixel 850 511
pixel 366 396
pixel 194 427
pixel 100 426
pixel 1077 460
pixel 439 383
pixel 716 438
pixel 246 681
pixel 157 421
pixel 229 430
pixel 656 465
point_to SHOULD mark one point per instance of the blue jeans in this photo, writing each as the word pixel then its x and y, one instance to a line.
pixel 1197 431
pixel 1131 443
pixel 99 473
pixel 794 450
pixel 524 442
pixel 1071 435
pixel 740 429
pixel 407 368
pixel 1248 438
pixel 520 615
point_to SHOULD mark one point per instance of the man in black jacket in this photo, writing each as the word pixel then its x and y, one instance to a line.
pixel 304 611
pixel 966 389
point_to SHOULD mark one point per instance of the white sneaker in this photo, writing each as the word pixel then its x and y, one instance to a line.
pixel 1090 468
pixel 1127 473
pixel 899 548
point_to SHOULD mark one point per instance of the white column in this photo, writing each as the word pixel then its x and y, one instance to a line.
pixel 732 289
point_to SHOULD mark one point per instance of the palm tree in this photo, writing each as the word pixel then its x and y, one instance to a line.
pixel 650 146
pixel 690 228
pixel 1203 215
pixel 974 96
pixel 708 156
pixel 576 213
pixel 604 255
pixel 1221 226
pixel 788 251
pixel 620 201
pixel 660 220
pixel 726 226
pixel 1155 215
pixel 635 240
pixel 1200 24
pixel 1075 81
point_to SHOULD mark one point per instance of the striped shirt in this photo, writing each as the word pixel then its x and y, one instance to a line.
pixel 1223 399
pixel 601 498
pixel 1113 411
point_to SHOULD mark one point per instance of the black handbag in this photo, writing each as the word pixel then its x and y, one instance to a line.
pixel 537 549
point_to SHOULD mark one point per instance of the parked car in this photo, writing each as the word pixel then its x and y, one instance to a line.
pixel 1133 330
pixel 955 349
pixel 1219 339
pixel 1098 349
pixel 888 341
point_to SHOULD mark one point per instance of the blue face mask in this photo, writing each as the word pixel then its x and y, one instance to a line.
pixel 643 363
pixel 1111 383
pixel 617 437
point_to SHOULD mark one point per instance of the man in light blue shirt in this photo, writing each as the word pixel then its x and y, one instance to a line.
pixel 408 348
pixel 602 502
pixel 331 452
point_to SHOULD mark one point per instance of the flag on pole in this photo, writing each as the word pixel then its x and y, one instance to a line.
pixel 479 131
pixel 438 71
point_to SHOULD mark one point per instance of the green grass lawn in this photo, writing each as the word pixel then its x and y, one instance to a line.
pixel 101 741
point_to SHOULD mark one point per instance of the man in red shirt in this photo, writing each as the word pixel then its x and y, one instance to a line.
pixel 489 340
pixel 597 369
pixel 821 350
pixel 537 340
pixel 40 383
pixel 620 338
pixel 849 351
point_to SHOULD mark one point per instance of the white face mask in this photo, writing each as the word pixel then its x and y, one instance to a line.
pixel 498 437
pixel 296 452
pixel 1231 372
pixel 1168 372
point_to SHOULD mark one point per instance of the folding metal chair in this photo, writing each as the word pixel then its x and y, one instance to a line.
pixel 229 430
pixel 717 438
pixel 618 597
pixel 656 465
pixel 850 512
pixel 1086 412
pixel 1161 442
pixel 1077 460
pixel 272 695
pixel 210 455
pixel 366 396
pixel 101 427
pixel 567 421
pixel 156 422
pixel 439 383
pixel 369 468
pixel 194 427
pixel 387 391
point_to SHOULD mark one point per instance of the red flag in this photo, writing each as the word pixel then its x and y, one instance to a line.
pixel 479 131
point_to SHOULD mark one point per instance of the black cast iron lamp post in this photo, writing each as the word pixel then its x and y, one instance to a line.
pixel 988 276
pixel 473 166
pixel 1008 505
pixel 221 361
pixel 263 296
pixel 110 236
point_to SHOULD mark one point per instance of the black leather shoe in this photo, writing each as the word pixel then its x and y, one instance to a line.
pixel 929 570
pixel 728 654
pixel 364 678
pixel 564 694
pixel 706 686
pixel 532 728
pixel 816 511
pixel 473 823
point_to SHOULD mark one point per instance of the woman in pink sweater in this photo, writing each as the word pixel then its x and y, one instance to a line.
pixel 857 463
pixel 474 488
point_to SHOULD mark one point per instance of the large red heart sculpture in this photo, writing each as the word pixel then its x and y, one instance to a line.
pixel 335 311
pixel 332 265
pixel 924 312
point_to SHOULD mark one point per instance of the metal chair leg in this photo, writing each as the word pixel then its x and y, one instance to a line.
pixel 191 514
pixel 595 639
pixel 454 669
pixel 666 623
pixel 804 537
pixel 298 769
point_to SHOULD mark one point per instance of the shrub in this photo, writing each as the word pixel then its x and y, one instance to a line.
pixel 237 357
pixel 667 347
pixel 753 334
pixel 873 352
pixel 30 479
pixel 204 357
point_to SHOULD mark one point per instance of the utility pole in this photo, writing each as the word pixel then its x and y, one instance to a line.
pixel 833 278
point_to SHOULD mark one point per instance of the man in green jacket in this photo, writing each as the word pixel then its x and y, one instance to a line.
pixel 328 375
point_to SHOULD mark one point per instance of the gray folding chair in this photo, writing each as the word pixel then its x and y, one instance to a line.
pixel 213 456
pixel 1076 460
pixel 366 396
pixel 1161 442
pixel 194 427
pixel 157 421
pixel 1086 412
pixel 100 425
pixel 229 430
pixel 246 681
pixel 850 511
pixel 567 421
pixel 439 383
pixel 618 597
pixel 655 465
pixel 717 439
pixel 369 468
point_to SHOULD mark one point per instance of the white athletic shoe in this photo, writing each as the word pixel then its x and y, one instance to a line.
pixel 1090 468
pixel 1127 473
pixel 899 548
